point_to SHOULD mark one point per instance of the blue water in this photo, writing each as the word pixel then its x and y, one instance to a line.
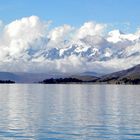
pixel 69 112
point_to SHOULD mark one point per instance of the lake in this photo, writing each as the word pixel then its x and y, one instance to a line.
pixel 69 112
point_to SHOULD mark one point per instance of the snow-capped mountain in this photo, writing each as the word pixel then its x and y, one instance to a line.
pixel 92 49
pixel 95 48
pixel 28 45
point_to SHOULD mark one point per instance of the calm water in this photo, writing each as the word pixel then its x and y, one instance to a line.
pixel 69 112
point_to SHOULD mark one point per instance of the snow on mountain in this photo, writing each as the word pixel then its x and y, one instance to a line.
pixel 94 48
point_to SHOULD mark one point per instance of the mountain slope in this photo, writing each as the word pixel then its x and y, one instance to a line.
pixel 8 76
pixel 129 76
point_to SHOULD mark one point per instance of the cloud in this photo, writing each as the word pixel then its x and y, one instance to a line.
pixel 29 45
pixel 116 36
pixel 58 35
pixel 26 29
pixel 18 36
pixel 91 29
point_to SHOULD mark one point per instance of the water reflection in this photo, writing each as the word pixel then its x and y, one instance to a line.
pixel 38 112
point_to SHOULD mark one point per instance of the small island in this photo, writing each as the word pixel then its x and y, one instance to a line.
pixel 7 82
pixel 61 81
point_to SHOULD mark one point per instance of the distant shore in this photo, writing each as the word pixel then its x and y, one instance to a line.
pixel 7 82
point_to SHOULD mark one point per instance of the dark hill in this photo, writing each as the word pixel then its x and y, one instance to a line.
pixel 129 76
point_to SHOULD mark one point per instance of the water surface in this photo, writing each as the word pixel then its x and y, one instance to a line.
pixel 69 112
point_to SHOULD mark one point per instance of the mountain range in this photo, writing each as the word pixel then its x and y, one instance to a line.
pixel 128 76
pixel 30 45
pixel 107 53
pixel 94 47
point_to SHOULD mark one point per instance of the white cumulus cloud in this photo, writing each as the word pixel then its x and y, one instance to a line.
pixel 90 28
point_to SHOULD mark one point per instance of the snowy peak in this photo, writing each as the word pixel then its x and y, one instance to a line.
pixel 93 48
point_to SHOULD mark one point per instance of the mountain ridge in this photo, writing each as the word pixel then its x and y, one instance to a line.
pixel 127 76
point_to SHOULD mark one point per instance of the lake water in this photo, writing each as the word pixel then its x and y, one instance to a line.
pixel 69 112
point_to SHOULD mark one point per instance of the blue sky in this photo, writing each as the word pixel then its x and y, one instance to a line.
pixel 74 12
